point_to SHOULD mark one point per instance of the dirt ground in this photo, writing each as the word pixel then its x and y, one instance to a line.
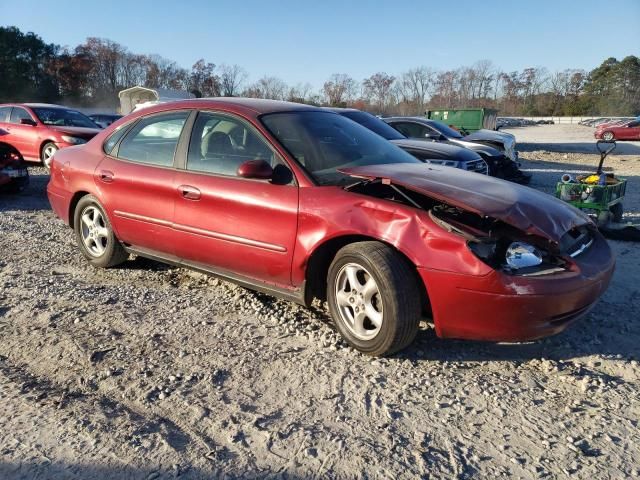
pixel 153 372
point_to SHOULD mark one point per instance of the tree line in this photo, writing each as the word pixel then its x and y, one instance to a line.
pixel 92 73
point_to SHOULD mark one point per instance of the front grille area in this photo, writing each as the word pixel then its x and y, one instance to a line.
pixel 576 241
pixel 478 166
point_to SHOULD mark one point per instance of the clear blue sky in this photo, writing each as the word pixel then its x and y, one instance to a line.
pixel 302 41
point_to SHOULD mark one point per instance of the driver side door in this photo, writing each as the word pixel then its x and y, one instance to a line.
pixel 226 222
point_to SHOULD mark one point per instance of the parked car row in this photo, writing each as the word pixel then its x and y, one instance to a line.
pixel 502 122
pixel 596 122
pixel 103 120
pixel 37 131
pixel 303 203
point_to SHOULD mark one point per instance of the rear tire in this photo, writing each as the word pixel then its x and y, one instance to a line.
pixel 95 236
pixel 608 136
pixel 48 150
pixel 373 298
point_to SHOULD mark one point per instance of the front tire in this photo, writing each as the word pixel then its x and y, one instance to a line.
pixel 95 236
pixel 608 136
pixel 373 298
pixel 48 150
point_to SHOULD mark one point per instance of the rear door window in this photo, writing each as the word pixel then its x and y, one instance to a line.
pixel 5 112
pixel 153 140
pixel 18 114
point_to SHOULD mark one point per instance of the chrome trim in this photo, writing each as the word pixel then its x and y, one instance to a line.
pixel 581 249
pixel 202 232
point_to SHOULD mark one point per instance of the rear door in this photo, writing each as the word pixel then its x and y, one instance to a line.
pixel 136 180
pixel 221 220
pixel 23 137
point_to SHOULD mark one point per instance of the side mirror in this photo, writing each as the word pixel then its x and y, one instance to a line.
pixel 27 121
pixel 433 136
pixel 258 169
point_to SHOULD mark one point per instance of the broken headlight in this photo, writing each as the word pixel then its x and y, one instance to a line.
pixel 516 257
pixel 522 255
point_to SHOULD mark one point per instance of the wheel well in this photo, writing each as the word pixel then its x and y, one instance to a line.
pixel 10 147
pixel 43 144
pixel 72 205
pixel 322 256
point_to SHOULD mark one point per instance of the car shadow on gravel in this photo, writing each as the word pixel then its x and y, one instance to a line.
pixel 593 338
pixel 33 198
pixel 142 263
pixel 63 470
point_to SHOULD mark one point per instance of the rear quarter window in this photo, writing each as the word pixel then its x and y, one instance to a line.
pixel 113 140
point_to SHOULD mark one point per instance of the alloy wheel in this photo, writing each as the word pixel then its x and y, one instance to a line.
pixel 47 154
pixel 93 229
pixel 359 301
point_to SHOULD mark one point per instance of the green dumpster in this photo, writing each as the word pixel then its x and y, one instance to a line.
pixel 468 119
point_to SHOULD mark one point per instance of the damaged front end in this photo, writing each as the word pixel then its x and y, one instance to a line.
pixel 501 246
pixel 509 250
pixel 500 262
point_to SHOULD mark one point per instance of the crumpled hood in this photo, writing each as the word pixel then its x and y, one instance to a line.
pixel 80 132
pixel 527 209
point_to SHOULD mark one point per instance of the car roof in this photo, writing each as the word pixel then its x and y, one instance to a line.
pixel 414 119
pixel 42 105
pixel 338 109
pixel 252 106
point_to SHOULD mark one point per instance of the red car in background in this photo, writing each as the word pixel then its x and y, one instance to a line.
pixel 626 131
pixel 37 130
pixel 303 203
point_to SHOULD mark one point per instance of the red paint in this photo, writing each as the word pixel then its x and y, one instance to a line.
pixel 268 232
pixel 626 131
pixel 29 139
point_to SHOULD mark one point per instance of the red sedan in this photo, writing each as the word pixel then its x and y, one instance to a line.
pixel 300 202
pixel 38 130
pixel 626 131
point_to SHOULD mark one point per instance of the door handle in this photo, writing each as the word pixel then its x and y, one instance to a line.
pixel 106 176
pixel 189 192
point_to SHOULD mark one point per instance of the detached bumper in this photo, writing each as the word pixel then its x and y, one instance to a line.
pixel 501 307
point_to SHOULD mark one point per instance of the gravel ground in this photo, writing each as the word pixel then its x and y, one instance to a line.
pixel 148 371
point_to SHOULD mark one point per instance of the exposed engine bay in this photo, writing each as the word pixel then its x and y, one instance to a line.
pixel 498 244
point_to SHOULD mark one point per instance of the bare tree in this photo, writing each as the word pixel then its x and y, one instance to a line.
pixel 415 86
pixel 299 93
pixel 379 88
pixel 267 87
pixel 339 89
pixel 203 79
pixel 231 79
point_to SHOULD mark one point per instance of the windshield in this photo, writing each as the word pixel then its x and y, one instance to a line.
pixel 374 124
pixel 63 118
pixel 323 142
pixel 445 130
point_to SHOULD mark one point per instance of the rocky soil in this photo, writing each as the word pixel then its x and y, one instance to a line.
pixel 153 372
